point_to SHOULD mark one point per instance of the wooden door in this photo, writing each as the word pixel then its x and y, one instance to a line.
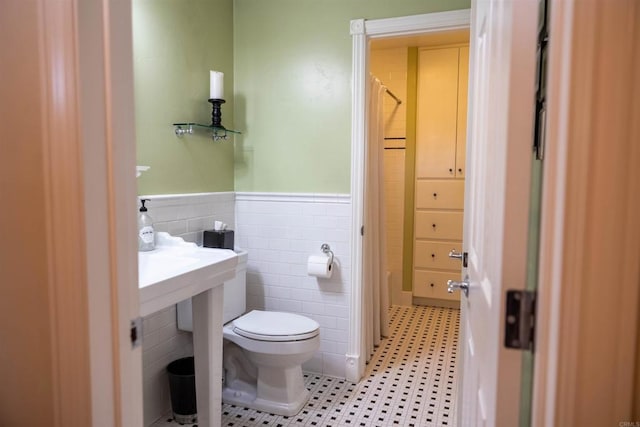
pixel 501 95
pixel 68 233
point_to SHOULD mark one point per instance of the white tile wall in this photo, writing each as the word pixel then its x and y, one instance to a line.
pixel 390 66
pixel 394 168
pixel 186 216
pixel 162 343
pixel 280 231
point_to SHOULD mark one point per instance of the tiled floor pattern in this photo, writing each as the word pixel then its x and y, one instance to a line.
pixel 410 381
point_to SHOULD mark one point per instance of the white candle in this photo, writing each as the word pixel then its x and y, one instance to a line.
pixel 216 85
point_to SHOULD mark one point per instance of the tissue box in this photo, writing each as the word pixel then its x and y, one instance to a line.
pixel 218 239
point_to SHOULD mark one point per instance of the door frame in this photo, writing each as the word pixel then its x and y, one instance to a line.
pixel 587 324
pixel 362 31
pixel 104 50
pixel 75 151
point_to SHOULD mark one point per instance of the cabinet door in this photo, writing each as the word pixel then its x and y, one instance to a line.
pixel 461 137
pixel 440 194
pixel 437 112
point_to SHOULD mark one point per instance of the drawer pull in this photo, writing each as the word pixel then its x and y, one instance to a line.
pixel 432 285
pixel 460 170
pixel 434 226
pixel 450 170
pixel 433 256
pixel 435 195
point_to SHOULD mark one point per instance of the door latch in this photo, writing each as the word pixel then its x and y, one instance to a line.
pixel 459 255
pixel 519 327
pixel 136 332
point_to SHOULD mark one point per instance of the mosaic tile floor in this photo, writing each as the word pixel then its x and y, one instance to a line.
pixel 410 381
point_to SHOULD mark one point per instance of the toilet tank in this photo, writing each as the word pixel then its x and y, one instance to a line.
pixel 235 297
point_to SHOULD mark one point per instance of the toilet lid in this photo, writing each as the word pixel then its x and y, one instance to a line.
pixel 275 326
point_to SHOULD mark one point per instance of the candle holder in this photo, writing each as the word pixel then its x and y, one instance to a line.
pixel 218 131
pixel 216 113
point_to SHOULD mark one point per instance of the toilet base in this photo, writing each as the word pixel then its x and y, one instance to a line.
pixel 240 396
pixel 269 382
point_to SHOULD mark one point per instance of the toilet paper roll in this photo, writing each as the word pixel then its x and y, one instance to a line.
pixel 319 266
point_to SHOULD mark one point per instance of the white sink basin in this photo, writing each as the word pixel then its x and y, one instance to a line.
pixel 177 270
pixel 156 266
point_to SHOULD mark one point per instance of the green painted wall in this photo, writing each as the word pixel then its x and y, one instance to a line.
pixel 176 43
pixel 293 89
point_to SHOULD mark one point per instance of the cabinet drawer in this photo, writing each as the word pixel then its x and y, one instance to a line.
pixel 436 255
pixel 438 225
pixel 440 194
pixel 433 284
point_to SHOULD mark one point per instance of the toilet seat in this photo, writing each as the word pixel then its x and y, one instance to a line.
pixel 275 326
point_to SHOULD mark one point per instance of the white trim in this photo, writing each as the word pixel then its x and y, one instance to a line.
pixel 119 122
pixel 418 24
pixel 406 298
pixel 294 197
pixel 230 196
pixel 225 195
pixel 362 31
pixel 354 368
pixel 180 199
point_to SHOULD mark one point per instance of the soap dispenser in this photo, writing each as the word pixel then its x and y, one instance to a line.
pixel 146 235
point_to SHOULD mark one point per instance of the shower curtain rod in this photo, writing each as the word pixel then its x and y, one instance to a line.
pixel 391 94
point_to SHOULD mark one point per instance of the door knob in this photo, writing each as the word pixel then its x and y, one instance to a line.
pixel 452 285
pixel 455 255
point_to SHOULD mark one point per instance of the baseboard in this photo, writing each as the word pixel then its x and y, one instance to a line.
pixel 434 302
pixel 400 297
pixel 352 368
pixel 406 298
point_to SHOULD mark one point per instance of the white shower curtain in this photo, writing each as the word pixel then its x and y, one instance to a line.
pixel 376 287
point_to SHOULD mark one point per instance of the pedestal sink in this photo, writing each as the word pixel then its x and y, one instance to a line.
pixel 177 270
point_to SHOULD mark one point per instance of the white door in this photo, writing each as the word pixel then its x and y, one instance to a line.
pixel 501 111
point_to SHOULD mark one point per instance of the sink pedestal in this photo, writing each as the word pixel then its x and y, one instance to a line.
pixel 207 349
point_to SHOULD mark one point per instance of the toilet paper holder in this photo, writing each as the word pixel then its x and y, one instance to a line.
pixel 326 249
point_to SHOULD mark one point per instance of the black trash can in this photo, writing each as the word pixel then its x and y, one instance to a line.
pixel 182 386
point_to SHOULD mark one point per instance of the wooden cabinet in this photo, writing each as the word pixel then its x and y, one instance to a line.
pixel 439 170
pixel 441 125
pixel 435 255
pixel 440 194
pixel 461 134
pixel 433 284
pixel 438 225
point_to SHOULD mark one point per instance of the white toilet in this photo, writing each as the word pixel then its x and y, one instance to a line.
pixel 263 351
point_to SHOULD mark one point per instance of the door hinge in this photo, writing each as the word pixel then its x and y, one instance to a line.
pixel 136 332
pixel 362 230
pixel 519 326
